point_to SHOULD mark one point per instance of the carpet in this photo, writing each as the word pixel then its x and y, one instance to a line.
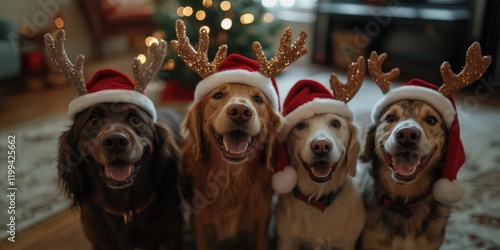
pixel 38 195
pixel 474 223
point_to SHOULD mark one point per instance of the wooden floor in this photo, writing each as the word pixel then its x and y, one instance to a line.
pixel 62 231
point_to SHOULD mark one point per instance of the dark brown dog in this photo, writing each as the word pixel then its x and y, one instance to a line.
pixel 120 169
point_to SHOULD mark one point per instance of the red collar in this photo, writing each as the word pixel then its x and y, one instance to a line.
pixel 321 203
pixel 127 216
pixel 402 208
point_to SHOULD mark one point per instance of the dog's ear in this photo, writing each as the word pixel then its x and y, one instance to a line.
pixel 192 129
pixel 369 147
pixel 166 157
pixel 275 123
pixel 72 176
pixel 352 150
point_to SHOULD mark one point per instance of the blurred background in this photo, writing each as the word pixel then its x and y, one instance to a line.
pixel 418 36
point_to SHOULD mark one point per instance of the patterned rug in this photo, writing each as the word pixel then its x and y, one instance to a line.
pixel 38 195
pixel 474 223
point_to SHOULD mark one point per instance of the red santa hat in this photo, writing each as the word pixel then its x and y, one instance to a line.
pixel 239 69
pixel 306 99
pixel 110 86
pixel 447 189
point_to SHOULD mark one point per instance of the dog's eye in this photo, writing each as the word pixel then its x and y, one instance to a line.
pixel 258 99
pixel 135 120
pixel 93 121
pixel 218 95
pixel 335 124
pixel 390 118
pixel 431 120
pixel 300 125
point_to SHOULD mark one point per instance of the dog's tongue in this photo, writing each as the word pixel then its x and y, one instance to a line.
pixel 236 142
pixel 118 173
pixel 321 169
pixel 405 163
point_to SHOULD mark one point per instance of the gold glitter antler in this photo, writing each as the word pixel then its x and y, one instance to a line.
pixel 197 60
pixel 287 53
pixel 382 79
pixel 144 73
pixel 475 65
pixel 57 54
pixel 355 75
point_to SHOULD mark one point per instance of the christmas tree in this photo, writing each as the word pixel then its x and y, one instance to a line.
pixel 235 23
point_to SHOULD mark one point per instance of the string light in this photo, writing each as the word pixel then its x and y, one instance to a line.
pixel 206 28
pixel 269 3
pixel 207 3
pixel 268 17
pixel 246 18
pixel 226 23
pixel 225 5
pixel 150 40
pixel 141 58
pixel 187 11
pixel 200 15
pixel 180 11
pixel 169 65
pixel 59 22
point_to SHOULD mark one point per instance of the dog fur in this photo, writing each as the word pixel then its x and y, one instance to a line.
pixel 229 193
pixel 114 159
pixel 411 133
pixel 300 224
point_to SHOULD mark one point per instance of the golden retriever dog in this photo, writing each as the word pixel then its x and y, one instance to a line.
pixel 229 137
pixel 324 210
pixel 230 134
pixel 415 151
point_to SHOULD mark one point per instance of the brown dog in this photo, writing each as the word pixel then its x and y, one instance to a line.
pixel 229 136
pixel 415 150
pixel 116 163
pixel 229 139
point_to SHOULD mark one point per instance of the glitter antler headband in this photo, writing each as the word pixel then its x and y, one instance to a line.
pixel 74 72
pixel 355 75
pixel 287 53
pixel 382 79
pixel 198 60
pixel 475 65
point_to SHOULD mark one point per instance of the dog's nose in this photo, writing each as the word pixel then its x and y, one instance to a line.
pixel 239 112
pixel 407 136
pixel 321 146
pixel 115 142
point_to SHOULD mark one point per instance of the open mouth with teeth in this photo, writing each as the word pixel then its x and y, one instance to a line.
pixel 406 165
pixel 319 171
pixel 119 174
pixel 235 145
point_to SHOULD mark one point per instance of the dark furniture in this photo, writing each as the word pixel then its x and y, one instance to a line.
pixel 417 35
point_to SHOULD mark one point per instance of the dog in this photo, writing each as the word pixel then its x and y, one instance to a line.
pixel 230 134
pixel 406 147
pixel 415 151
pixel 324 210
pixel 120 170
pixel 229 138
pixel 117 164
